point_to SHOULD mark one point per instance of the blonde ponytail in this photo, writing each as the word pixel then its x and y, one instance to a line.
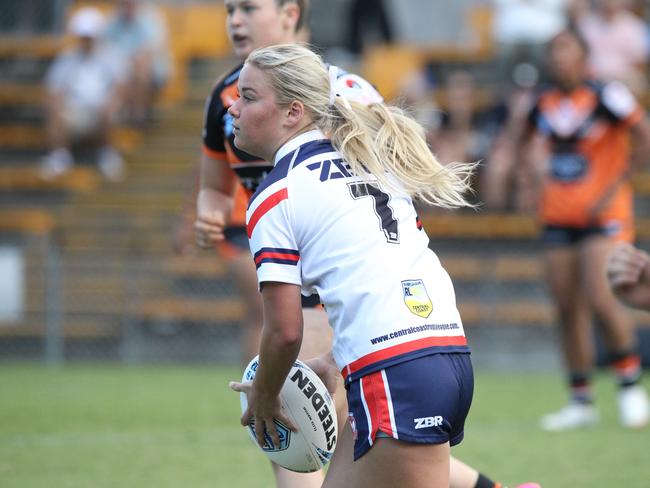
pixel 384 142
pixel 377 141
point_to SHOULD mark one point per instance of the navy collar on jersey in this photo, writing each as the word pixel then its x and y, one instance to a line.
pixel 296 142
pixel 302 147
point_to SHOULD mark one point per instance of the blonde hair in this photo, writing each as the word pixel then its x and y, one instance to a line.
pixel 376 140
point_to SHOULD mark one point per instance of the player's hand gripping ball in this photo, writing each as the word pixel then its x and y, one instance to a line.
pixel 307 403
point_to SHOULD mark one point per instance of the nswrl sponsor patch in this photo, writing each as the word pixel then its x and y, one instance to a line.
pixel 416 298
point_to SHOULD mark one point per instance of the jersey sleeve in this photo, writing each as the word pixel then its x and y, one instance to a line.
pixel 271 236
pixel 620 105
pixel 213 133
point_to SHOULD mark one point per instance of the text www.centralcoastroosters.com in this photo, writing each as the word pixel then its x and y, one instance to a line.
pixel 413 330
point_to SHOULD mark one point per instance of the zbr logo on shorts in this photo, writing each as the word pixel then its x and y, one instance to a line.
pixel 424 422
pixel 416 298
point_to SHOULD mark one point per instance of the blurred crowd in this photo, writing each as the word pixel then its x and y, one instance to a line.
pixel 111 74
pixel 463 125
pixel 121 60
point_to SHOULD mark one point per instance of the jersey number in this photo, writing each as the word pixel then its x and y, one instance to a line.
pixel 380 200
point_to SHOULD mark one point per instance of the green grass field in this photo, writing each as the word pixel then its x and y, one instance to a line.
pixel 169 426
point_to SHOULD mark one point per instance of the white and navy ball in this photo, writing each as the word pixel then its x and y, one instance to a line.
pixel 307 403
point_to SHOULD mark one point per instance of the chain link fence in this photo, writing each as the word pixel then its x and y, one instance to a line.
pixel 59 305
pixel 157 307
pixel 30 305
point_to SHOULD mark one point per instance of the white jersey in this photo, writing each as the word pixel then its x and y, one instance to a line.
pixel 362 249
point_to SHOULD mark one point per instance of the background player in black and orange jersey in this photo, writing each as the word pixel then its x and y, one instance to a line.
pixel 228 177
pixel 583 130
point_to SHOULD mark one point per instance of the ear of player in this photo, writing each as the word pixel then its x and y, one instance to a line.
pixel 307 403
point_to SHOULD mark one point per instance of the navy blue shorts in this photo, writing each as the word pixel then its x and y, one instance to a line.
pixel 556 235
pixel 425 400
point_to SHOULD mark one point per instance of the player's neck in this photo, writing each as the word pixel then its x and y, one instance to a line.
pixel 306 128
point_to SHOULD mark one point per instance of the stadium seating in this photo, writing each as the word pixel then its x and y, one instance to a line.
pixel 27 221
pixel 404 59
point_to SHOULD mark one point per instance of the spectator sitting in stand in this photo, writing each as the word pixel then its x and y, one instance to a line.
pixel 461 129
pixel 84 93
pixel 138 30
pixel 466 130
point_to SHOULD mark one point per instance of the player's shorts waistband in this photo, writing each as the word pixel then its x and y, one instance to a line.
pixel 406 351
pixel 563 235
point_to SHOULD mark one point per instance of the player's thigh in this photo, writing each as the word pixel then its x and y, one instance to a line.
pixel 392 463
pixel 317 333
pixel 244 275
pixel 562 274
pixel 341 467
pixel 285 478
pixel 593 255
pixel 617 323
pixel 316 341
pixel 389 463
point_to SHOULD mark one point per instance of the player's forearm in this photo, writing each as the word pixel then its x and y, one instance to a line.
pixel 210 200
pixel 281 335
pixel 216 175
pixel 278 351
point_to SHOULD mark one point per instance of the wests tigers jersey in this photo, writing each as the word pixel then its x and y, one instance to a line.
pixel 218 143
pixel 588 135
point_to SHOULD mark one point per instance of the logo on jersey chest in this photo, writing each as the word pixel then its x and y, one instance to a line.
pixel 416 298
pixel 331 169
